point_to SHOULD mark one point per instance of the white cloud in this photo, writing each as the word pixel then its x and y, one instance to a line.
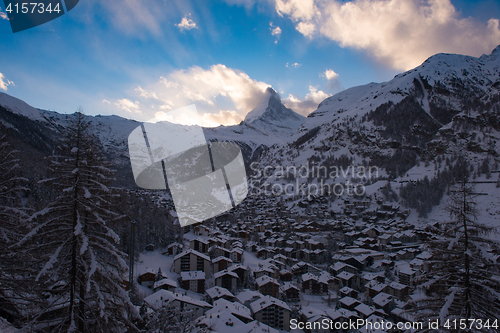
pixel 308 104
pixel 333 80
pixel 330 75
pixel 4 83
pixel 399 33
pixel 222 95
pixel 4 15
pixel 294 65
pixel 186 24
pixel 275 31
pixel 127 105
pixel 132 16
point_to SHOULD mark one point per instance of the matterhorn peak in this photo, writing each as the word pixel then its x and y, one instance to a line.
pixel 271 112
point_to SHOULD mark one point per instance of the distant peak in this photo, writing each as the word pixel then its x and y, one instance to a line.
pixel 496 50
pixel 271 91
pixel 493 55
pixel 271 110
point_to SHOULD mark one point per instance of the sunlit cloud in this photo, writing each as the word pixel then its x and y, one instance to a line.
pixel 128 105
pixel 3 16
pixel 4 83
pixel 222 95
pixel 330 75
pixel 275 31
pixel 333 79
pixel 398 33
pixel 186 24
pixel 308 104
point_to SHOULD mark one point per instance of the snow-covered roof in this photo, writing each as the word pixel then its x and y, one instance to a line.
pixel 219 258
pixel 225 272
pixel 248 295
pixel 163 282
pixel 217 292
pixel 288 285
pixel 348 301
pixel 340 313
pixel 382 299
pixel 160 299
pixel 311 311
pixel 182 254
pixel 345 275
pixel 264 279
pixel 238 309
pixel 365 309
pixel 267 301
pixel 192 275
pixel 397 286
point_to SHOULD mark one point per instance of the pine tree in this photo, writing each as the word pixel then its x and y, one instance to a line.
pixel 81 270
pixel 159 275
pixel 461 283
pixel 13 266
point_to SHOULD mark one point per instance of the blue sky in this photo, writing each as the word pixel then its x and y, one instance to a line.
pixel 138 59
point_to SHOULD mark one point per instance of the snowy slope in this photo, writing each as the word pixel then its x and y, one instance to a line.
pixel 447 74
pixel 268 123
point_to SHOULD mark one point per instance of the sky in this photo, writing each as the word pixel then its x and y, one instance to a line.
pixel 141 59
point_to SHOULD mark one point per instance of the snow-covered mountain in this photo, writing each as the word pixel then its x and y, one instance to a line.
pixel 271 122
pixel 449 105
pixel 446 107
pixel 268 123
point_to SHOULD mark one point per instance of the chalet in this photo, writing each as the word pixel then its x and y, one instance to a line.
pixel 215 293
pixel 347 279
pixel 164 298
pixel 238 310
pixel 191 260
pixel 173 249
pixel 147 279
pixel 236 254
pixel 220 251
pixel 346 291
pixel 300 268
pixel 341 315
pixel 286 275
pixel 272 311
pixel 364 311
pixel 311 284
pixel 384 301
pixel 398 290
pixel 221 263
pixel 226 279
pixel 193 281
pixel 239 270
pixel 349 303
pixel 289 292
pixel 407 276
pixel 268 286
pixel 165 284
pixel 263 270
pixel 340 267
pixel 201 230
pixel 373 288
pixel 199 244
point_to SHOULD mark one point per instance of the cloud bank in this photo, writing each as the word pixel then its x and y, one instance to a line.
pixel 398 33
pixel 222 95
